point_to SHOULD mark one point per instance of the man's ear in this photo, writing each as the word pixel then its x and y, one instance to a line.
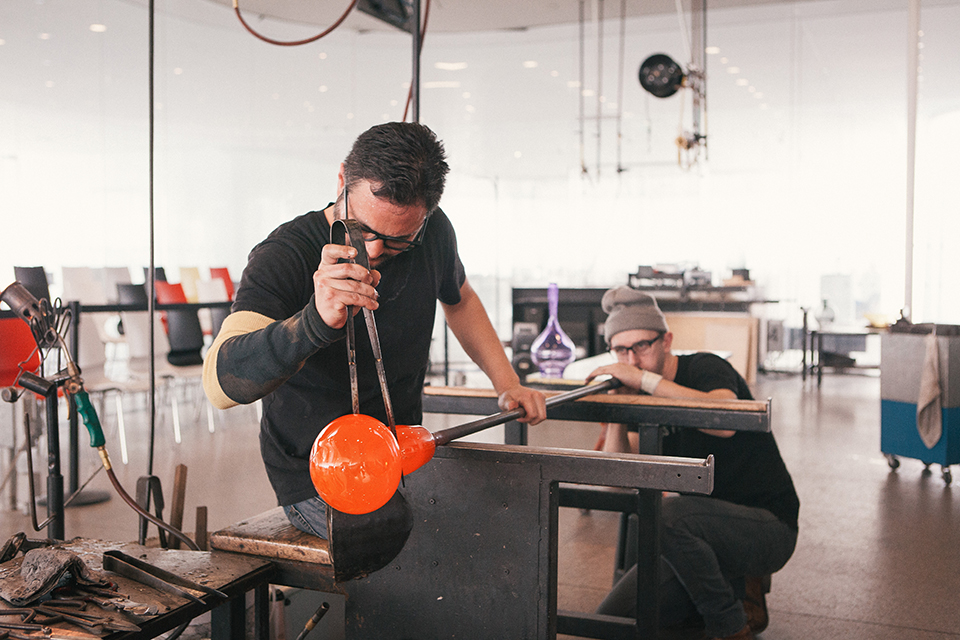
pixel 340 180
pixel 668 340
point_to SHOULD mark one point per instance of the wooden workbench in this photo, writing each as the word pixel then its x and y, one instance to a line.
pixel 232 574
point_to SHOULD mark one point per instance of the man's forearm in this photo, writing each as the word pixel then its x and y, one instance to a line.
pixel 253 355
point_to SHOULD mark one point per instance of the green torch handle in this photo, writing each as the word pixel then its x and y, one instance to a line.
pixel 90 419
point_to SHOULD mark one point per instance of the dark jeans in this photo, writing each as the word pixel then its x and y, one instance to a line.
pixel 707 547
pixel 310 516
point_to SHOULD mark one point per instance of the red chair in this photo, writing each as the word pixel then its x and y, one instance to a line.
pixel 223 273
pixel 16 344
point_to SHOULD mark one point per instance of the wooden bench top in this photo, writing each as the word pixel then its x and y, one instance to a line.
pixel 270 535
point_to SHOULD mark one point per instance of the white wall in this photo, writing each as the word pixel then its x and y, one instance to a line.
pixel 808 180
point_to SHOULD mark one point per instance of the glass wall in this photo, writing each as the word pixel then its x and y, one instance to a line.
pixel 558 174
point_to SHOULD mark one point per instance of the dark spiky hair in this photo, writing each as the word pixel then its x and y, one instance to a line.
pixel 404 162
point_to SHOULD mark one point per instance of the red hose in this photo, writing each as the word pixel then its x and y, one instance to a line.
pixel 292 43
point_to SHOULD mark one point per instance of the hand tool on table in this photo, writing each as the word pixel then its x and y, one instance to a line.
pixel 19 542
pixel 73 611
pixel 105 599
pixel 160 579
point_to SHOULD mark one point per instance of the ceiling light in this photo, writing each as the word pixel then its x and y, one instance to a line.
pixel 178 71
pixel 758 95
pixel 324 88
pixel 724 60
pixel 49 84
pixel 442 84
pixel 323 56
pixel 712 50
pixel 471 108
pixel 466 95
pixel 573 84
pixel 517 154
pixel 742 82
pixel 587 93
pixel 44 36
pixel 450 66
pixel 2 42
pixel 733 70
pixel 661 75
pixel 98 28
pixel 531 64
pixel 554 73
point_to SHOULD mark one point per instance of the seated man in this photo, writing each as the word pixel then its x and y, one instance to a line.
pixel 714 548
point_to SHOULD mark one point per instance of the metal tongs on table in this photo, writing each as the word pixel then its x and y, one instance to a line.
pixel 160 579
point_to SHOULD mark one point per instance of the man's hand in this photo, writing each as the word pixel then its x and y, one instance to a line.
pixel 533 402
pixel 338 286
pixel 629 375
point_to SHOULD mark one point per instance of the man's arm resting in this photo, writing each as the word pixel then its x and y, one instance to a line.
pixel 470 324
pixel 254 354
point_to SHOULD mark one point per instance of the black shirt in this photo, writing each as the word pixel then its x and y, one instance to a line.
pixel 748 467
pixel 278 283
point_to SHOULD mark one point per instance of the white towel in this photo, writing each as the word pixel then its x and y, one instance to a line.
pixel 929 414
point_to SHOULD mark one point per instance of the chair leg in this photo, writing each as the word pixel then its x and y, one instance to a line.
pixel 122 430
pixel 175 408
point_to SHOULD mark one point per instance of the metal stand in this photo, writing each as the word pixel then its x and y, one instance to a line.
pixel 54 478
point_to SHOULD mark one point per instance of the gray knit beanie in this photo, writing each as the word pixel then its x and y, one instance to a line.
pixel 631 309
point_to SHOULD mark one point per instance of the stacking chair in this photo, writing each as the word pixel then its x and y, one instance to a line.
pixel 189 277
pixel 92 360
pixel 223 273
pixel 213 291
pixel 183 327
pixel 177 355
pixel 85 285
pixel 34 279
pixel 16 353
pixel 112 276
pixel 161 274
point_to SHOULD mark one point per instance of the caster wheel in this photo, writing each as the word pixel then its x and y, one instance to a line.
pixel 926 469
pixel 947 476
pixel 893 462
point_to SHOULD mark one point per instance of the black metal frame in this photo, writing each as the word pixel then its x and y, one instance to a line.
pixel 645 504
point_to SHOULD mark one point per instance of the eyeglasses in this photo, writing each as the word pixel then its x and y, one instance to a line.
pixel 393 243
pixel 638 348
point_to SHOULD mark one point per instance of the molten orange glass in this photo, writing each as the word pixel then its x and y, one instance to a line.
pixel 417 447
pixel 355 464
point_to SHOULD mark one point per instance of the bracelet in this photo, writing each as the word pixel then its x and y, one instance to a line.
pixel 649 381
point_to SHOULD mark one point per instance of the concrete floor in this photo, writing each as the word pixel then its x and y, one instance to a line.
pixel 878 553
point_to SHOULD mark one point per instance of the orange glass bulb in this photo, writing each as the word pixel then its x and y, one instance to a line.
pixel 355 464
pixel 416 447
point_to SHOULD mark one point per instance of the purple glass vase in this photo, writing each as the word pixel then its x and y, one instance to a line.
pixel 553 349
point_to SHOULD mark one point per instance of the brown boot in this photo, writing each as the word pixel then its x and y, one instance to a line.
pixel 743 634
pixel 755 602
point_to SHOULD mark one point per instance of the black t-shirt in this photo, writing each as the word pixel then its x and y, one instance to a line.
pixel 278 283
pixel 748 468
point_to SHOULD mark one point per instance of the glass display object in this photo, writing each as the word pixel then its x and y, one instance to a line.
pixel 553 349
